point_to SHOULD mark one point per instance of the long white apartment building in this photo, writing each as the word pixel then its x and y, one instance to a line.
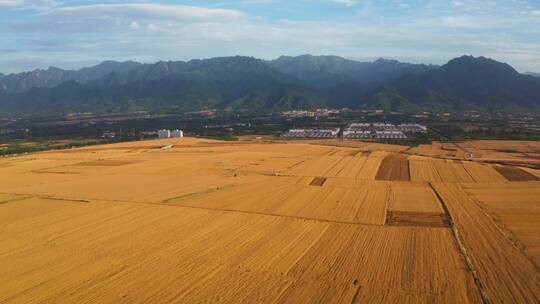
pixel 381 130
pixel 164 133
pixel 311 133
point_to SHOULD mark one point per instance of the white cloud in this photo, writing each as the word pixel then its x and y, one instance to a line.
pixel 147 11
pixel 150 32
pixel 134 25
pixel 31 4
pixel 345 2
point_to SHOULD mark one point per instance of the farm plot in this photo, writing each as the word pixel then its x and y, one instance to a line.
pixel 509 151
pixel 127 187
pixel 361 145
pixel 516 208
pixel 436 149
pixel 483 173
pixel 348 166
pixel 364 265
pixel 359 166
pixel 29 164
pixel 414 197
pixel 119 252
pixel 394 167
pixel 268 166
pixel 414 205
pixel 371 165
pixel 124 252
pixel 315 166
pixel 451 171
pixel 423 169
pixel 505 273
pixel 365 202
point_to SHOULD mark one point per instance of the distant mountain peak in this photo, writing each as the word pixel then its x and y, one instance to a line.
pixel 54 76
pixel 470 59
pixel 108 63
pixel 382 60
pixel 310 57
pixel 478 65
pixel 465 81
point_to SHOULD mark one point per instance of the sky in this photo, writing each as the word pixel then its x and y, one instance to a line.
pixel 74 33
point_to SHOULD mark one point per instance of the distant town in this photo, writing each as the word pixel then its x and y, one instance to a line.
pixel 360 131
pixel 29 134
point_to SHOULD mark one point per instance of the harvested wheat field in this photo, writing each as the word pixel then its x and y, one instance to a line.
pixel 206 221
pixel 512 152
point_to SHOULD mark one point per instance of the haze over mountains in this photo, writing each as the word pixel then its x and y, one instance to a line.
pixel 246 83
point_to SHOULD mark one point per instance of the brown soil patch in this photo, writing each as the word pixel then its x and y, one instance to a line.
pixel 394 167
pixel 514 174
pixel 422 219
pixel 318 181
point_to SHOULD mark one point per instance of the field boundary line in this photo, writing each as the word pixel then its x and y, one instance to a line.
pixel 468 172
pixel 89 200
pixel 357 175
pixel 273 215
pixel 343 168
pixel 45 196
pixel 15 199
pixel 54 198
pixel 245 212
pixel 277 298
pixel 387 205
pixel 461 246
pixel 333 165
pixel 197 194
pixel 408 167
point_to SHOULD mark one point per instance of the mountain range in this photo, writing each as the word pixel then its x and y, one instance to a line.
pixel 250 84
pixel 532 74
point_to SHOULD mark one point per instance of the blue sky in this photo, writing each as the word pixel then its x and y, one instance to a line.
pixel 76 33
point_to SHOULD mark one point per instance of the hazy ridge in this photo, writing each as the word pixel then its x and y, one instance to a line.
pixel 250 84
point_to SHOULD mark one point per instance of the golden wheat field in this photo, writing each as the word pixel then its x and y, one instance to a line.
pixel 491 151
pixel 206 221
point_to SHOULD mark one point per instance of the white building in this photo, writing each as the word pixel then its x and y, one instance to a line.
pixel 177 133
pixel 412 128
pixel 164 133
pixel 312 133
pixel 170 134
